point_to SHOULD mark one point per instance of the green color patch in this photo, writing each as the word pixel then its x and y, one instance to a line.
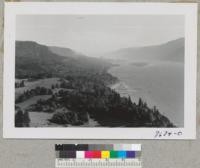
pixel 113 154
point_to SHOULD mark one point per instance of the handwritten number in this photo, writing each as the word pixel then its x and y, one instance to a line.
pixel 159 134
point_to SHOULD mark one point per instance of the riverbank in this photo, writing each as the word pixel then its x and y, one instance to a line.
pixel 159 84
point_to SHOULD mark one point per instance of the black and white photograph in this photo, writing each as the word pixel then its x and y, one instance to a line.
pixel 99 70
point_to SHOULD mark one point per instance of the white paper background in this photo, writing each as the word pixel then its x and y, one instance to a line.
pixel 188 10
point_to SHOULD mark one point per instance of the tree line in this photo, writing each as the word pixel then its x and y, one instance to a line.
pixel 27 94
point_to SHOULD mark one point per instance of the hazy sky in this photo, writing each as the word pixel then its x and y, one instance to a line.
pixel 97 34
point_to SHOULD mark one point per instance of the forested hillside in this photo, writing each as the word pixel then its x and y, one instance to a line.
pixel 78 92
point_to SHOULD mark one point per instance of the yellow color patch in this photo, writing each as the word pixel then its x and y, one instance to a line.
pixel 105 154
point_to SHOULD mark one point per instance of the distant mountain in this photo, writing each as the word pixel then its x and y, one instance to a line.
pixel 66 52
pixel 81 58
pixel 35 60
pixel 170 51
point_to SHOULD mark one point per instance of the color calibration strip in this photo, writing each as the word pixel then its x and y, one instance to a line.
pixel 100 151
pixel 98 156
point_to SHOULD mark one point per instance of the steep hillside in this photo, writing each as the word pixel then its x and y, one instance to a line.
pixel 170 51
pixel 39 61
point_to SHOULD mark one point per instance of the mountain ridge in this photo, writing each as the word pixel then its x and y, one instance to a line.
pixel 169 51
pixel 33 59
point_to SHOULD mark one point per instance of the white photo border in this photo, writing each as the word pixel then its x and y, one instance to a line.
pixel 189 10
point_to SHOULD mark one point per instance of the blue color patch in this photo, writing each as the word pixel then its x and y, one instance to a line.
pixel 121 154
pixel 130 154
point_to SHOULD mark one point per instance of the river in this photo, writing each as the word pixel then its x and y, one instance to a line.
pixel 160 84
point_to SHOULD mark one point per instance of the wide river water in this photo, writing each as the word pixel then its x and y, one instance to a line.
pixel 160 84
